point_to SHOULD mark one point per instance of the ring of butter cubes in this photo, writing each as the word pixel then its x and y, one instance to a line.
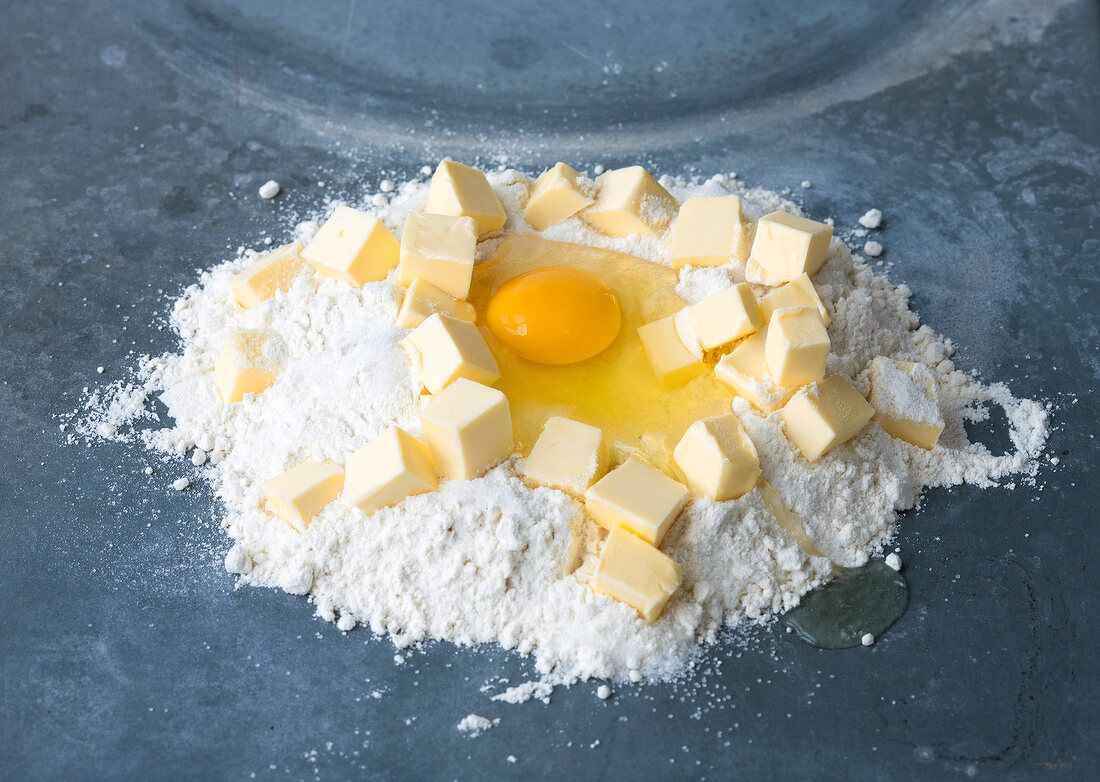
pixel 445 348
pixel 638 497
pixel 717 458
pixel 709 231
pixel 299 494
pixel 468 427
pixel 786 246
pixel 824 414
pixel 630 201
pixel 272 272
pixel 352 246
pixel 438 249
pixel 393 466
pixel 568 455
pixel 796 346
pixel 556 196
pixel 636 573
pixel 248 363
pixel 461 191
pixel 718 320
pixel 905 400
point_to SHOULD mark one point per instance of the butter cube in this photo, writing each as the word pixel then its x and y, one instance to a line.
pixel 634 572
pixel 299 494
pixel 352 246
pixel 445 349
pixel 638 497
pixel 709 231
pixel 799 292
pixel 422 300
pixel 905 401
pixel 440 250
pixel 785 247
pixel 461 191
pixel 631 201
pixel 745 371
pixel 673 363
pixel 796 346
pixel 718 458
pixel 275 271
pixel 568 455
pixel 555 196
pixel 825 414
pixel 718 320
pixel 248 364
pixel 393 466
pixel 468 427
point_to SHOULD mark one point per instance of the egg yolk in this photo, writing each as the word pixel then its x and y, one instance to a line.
pixel 554 316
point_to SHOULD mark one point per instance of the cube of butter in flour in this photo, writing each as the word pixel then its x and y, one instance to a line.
pixel 905 401
pixel 709 231
pixel 639 497
pixel 461 191
pixel 445 349
pixel 796 346
pixel 440 250
pixel 799 292
pixel 634 572
pixel 745 371
pixel 555 196
pixel 248 364
pixel 568 455
pixel 272 272
pixel 718 320
pixel 825 414
pixel 631 201
pixel 352 246
pixel 389 468
pixel 786 246
pixel 468 427
pixel 718 458
pixel 422 300
pixel 672 362
pixel 299 494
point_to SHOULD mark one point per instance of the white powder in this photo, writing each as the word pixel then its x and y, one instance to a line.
pixel 474 725
pixel 488 560
pixel 872 218
pixel 269 189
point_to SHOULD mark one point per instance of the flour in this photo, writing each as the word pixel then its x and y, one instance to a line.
pixel 474 725
pixel 492 560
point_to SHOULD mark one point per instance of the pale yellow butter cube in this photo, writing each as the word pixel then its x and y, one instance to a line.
pixel 299 494
pixel 709 231
pixel 636 496
pixel 672 362
pixel 352 246
pixel 796 346
pixel 799 292
pixel 468 427
pixel 786 246
pixel 825 414
pixel 745 371
pixel 556 196
pixel 440 250
pixel 248 364
pixel 461 191
pixel 717 458
pixel 275 271
pixel 718 320
pixel 634 572
pixel 568 455
pixel 422 300
pixel 393 466
pixel 445 349
pixel 631 201
pixel 906 402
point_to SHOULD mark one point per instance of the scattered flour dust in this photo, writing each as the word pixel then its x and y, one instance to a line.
pixel 484 561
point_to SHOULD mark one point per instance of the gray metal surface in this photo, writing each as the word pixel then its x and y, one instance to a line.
pixel 133 137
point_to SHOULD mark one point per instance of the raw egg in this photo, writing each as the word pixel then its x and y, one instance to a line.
pixel 554 315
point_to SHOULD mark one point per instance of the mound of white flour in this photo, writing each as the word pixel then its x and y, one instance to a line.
pixel 491 560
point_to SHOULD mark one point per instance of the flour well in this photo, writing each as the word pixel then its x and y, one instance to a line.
pixel 491 560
